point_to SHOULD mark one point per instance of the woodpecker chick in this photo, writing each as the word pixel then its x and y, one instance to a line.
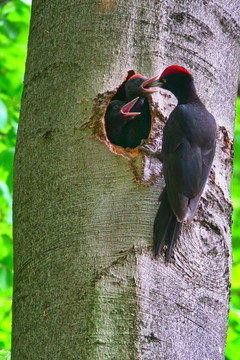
pixel 138 85
pixel 121 123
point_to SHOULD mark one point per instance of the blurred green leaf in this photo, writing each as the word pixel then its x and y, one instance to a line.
pixel 6 159
pixel 7 262
pixel 5 355
pixel 10 28
pixel 6 243
pixel 3 278
pixel 5 192
pixel 3 115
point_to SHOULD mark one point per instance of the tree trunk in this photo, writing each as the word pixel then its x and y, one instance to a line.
pixel 86 285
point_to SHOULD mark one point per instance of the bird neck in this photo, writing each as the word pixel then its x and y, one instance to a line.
pixel 186 93
pixel 138 105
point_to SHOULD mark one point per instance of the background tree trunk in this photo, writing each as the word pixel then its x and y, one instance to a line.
pixel 86 285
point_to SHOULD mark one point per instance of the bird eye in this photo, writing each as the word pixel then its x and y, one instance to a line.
pixel 137 81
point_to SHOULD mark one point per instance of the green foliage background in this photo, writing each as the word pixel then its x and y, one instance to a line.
pixel 233 339
pixel 14 28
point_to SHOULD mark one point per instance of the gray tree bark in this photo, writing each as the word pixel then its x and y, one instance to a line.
pixel 86 285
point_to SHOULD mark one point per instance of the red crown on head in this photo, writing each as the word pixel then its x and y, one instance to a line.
pixel 174 69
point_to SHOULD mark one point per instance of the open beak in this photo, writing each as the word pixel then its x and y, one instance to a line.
pixel 148 84
pixel 125 110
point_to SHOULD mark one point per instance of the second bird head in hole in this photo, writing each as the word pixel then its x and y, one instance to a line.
pixel 128 121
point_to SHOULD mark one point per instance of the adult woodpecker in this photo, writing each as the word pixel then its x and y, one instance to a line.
pixel 120 123
pixel 138 85
pixel 189 141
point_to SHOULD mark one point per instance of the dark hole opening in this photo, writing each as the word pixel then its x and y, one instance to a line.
pixel 122 129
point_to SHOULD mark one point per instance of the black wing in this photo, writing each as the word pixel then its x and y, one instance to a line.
pixel 189 141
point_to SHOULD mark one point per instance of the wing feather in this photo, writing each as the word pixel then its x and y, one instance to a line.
pixel 188 151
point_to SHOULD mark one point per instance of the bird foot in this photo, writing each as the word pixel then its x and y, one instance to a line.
pixel 143 142
pixel 146 149
pixel 151 153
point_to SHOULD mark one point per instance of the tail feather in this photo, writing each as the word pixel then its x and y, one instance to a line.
pixel 166 227
pixel 173 232
pixel 161 223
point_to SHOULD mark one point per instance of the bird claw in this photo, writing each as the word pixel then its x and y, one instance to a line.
pixel 146 149
pixel 151 153
pixel 143 142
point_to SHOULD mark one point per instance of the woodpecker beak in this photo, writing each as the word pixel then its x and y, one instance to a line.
pixel 148 84
pixel 125 110
pixel 156 81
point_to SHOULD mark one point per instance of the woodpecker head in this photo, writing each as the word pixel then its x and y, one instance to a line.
pixel 138 85
pixel 118 110
pixel 176 79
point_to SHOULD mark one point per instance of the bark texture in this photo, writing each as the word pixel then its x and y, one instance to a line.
pixel 86 285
